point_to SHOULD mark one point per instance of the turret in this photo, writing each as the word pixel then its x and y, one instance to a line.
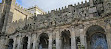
pixel 6 18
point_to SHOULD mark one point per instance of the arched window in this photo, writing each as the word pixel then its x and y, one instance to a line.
pixel 66 39
pixel 43 44
pixel 25 42
pixel 96 38
pixel 10 44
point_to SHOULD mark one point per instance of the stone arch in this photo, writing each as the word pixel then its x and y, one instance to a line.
pixel 96 37
pixel 10 44
pixel 94 24
pixel 66 39
pixel 43 40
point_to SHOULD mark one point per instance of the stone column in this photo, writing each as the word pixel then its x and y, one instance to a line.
pixel 4 43
pixel 50 41
pixel 37 44
pixel 34 44
pixel 34 41
pixel 82 37
pixel 29 43
pixel 85 42
pixel 109 40
pixel 14 44
pixel 73 41
pixel 108 35
pixel 19 39
pixel 58 41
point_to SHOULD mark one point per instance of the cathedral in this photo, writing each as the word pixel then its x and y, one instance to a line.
pixel 86 25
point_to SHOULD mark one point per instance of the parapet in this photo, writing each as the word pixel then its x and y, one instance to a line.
pixel 66 8
pixel 61 15
pixel 36 8
pixel 23 10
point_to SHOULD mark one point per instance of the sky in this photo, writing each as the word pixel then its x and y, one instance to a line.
pixel 47 5
pixel 0 1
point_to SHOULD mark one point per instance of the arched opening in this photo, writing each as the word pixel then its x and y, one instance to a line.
pixel 96 38
pixel 43 44
pixel 66 40
pixel 10 44
pixel 31 47
pixel 77 42
pixel 25 42
pixel 54 44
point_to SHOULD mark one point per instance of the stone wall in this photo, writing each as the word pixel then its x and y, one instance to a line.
pixel 76 19
pixel 74 13
pixel 65 15
pixel 18 18
pixel 54 33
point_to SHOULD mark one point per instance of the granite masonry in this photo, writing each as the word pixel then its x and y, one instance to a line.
pixel 79 26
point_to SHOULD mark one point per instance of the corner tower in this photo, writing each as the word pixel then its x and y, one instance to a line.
pixel 6 14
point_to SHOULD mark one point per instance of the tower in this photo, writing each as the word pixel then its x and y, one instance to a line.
pixel 6 14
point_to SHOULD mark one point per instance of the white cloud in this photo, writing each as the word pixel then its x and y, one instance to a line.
pixel 48 5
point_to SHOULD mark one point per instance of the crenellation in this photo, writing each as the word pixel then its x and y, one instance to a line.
pixel 65 7
pixel 82 2
pixel 48 12
pixel 56 9
pixel 21 7
pixel 52 11
pixel 78 17
pixel 59 9
pixel 78 3
pixel 75 4
pixel 86 1
pixel 16 4
pixel 62 8
pixel 18 7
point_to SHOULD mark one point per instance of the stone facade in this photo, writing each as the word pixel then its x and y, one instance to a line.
pixel 83 26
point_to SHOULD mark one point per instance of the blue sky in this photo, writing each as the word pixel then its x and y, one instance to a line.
pixel 0 1
pixel 47 5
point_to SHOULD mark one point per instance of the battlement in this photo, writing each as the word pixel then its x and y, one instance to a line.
pixel 36 10
pixel 83 11
pixel 66 8
pixel 24 10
